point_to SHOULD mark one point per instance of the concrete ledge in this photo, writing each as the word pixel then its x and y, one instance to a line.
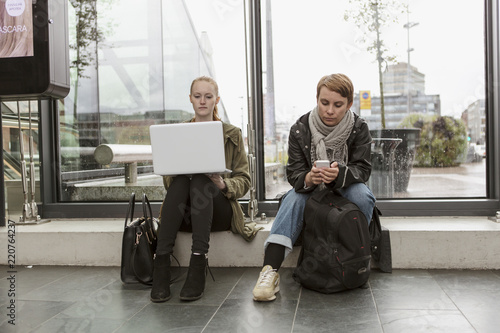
pixel 424 242
pixel 444 242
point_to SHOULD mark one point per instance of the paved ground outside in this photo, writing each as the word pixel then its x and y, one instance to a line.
pixel 466 180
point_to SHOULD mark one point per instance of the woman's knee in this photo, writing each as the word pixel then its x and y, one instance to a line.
pixel 362 196
pixel 359 191
pixel 292 198
pixel 288 220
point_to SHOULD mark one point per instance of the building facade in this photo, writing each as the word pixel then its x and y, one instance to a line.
pixel 397 102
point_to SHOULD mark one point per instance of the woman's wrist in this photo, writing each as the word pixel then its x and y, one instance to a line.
pixel 307 180
pixel 223 186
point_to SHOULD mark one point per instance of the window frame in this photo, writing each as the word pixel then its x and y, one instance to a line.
pixel 488 206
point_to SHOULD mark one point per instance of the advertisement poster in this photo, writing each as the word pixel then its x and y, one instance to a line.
pixel 16 28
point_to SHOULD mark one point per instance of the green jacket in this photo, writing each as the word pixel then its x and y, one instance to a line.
pixel 238 182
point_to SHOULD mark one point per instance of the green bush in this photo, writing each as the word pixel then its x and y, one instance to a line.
pixel 443 139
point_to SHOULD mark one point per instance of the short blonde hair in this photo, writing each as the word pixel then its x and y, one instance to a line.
pixel 216 88
pixel 340 83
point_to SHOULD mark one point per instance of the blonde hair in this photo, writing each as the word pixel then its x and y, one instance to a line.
pixel 16 44
pixel 340 83
pixel 215 114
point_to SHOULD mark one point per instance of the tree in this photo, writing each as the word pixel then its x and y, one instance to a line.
pixel 85 42
pixel 87 35
pixel 370 17
pixel 443 139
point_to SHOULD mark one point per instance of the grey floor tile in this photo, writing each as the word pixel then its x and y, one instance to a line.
pixel 63 324
pixel 75 286
pixel 164 317
pixel 28 279
pixel 30 314
pixel 337 319
pixel 347 311
pixel 466 279
pixel 4 296
pixel 246 315
pixel 403 280
pixel 119 285
pixel 289 288
pixel 484 320
pixel 244 286
pixel 57 294
pixel 93 299
pixel 401 273
pixel 351 299
pixel 474 299
pixel 109 304
pixel 412 300
pixel 480 307
pixel 8 328
pixel 414 321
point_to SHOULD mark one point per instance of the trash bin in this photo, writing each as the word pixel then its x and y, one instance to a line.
pixel 404 154
pixel 382 181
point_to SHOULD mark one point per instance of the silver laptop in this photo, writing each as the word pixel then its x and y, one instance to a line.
pixel 188 148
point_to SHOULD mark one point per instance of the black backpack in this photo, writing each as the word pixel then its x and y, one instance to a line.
pixel 336 247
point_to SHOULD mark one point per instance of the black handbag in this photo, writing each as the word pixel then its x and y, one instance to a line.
pixel 375 229
pixel 380 243
pixel 139 244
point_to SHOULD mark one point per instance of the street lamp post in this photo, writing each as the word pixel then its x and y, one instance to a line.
pixel 408 26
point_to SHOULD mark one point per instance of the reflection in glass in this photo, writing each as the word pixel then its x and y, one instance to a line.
pixel 21 156
pixel 132 67
pixel 429 92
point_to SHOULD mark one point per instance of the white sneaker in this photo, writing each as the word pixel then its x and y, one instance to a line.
pixel 267 286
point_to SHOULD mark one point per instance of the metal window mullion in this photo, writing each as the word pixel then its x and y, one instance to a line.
pixel 48 147
pixel 492 77
pixel 257 94
pixel 2 180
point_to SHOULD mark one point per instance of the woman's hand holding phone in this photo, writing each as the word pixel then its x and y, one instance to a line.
pixel 324 172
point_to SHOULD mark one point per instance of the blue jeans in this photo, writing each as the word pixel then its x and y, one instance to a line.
pixel 288 223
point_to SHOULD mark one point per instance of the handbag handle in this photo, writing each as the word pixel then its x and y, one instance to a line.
pixel 145 201
pixel 130 209
pixel 150 228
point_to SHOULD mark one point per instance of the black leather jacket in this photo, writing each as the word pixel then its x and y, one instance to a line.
pixel 357 170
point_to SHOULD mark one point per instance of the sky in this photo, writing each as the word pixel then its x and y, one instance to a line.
pixel 311 39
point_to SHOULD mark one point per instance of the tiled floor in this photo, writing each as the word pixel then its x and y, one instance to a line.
pixel 93 299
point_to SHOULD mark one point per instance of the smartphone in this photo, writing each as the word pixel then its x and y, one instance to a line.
pixel 322 164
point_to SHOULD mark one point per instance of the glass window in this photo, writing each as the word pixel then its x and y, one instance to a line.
pixel 431 77
pixel 21 159
pixel 132 67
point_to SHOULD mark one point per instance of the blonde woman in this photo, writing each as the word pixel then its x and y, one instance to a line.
pixel 201 203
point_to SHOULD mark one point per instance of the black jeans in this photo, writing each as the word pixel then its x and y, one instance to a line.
pixel 193 204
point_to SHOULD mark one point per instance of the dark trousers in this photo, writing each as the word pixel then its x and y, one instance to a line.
pixel 195 204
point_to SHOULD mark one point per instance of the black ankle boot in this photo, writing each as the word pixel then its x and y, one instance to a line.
pixel 195 281
pixel 161 279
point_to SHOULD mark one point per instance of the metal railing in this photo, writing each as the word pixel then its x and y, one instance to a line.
pixel 129 155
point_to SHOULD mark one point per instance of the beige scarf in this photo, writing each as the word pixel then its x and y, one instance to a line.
pixel 330 142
